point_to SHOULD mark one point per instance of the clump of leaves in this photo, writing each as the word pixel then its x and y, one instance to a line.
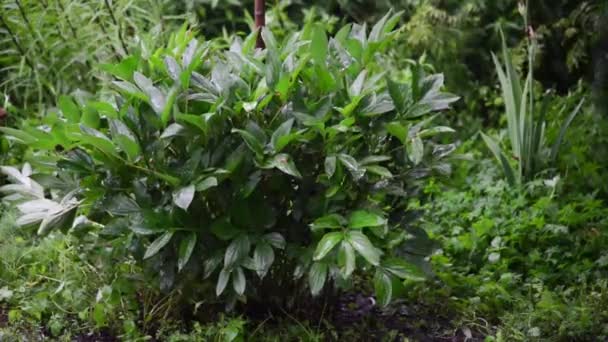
pixel 260 170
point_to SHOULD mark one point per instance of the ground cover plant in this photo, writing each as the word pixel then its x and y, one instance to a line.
pixel 166 179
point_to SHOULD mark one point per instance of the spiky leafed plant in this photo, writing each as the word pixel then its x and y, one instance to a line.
pixel 525 122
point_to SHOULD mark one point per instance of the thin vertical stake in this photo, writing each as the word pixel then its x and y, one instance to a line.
pixel 260 21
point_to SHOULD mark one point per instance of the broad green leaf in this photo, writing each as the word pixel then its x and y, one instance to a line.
pixel 379 170
pixel 316 277
pixel 211 264
pixel 397 93
pixel 398 131
pixel 383 286
pixel 237 250
pixel 90 118
pixel 363 246
pixel 184 196
pixel 346 259
pixel 285 163
pixel 206 184
pixel 283 130
pixel 362 219
pixel 239 281
pixel 332 221
pixel 415 149
pixel 69 109
pixel 224 230
pixel 158 244
pixel 374 160
pixel 263 257
pixel 172 130
pixel 330 166
pixel 186 247
pixel 125 139
pixel 173 69
pixel 276 240
pixel 403 269
pixel 352 165
pixel 98 141
pixel 255 145
pixel 319 45
pixel 222 281
pixel 327 243
pixel 434 131
pixel 356 88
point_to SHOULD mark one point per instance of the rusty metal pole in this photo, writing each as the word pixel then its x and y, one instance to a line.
pixel 260 20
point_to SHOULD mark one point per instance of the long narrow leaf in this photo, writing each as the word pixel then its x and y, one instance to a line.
pixel 502 159
pixel 562 132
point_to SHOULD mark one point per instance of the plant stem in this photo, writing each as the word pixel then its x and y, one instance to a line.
pixel 122 41
pixel 260 21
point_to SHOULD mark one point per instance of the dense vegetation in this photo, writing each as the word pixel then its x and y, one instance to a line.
pixel 380 170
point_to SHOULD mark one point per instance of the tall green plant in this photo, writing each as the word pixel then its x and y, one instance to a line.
pixel 525 122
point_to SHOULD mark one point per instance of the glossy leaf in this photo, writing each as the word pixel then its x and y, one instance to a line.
pixel 317 277
pixel 327 243
pixel 363 246
pixel 158 244
pixel 186 247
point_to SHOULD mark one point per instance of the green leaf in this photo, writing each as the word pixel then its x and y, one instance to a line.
pixel 562 131
pixel 283 130
pixel 158 244
pixel 398 131
pixel 416 150
pixel 239 281
pixel 90 118
pixel 363 246
pixel 276 240
pixel 379 170
pixel 222 281
pixel 332 221
pixel 426 133
pixel 263 257
pixel 352 165
pixel 502 159
pixel 316 277
pixel 346 259
pixel 173 69
pixel 284 163
pixel 403 269
pixel 330 166
pixel 319 45
pixel 237 250
pixel 362 219
pixel 186 247
pixel 184 196
pixel 224 230
pixel 125 139
pixel 252 142
pixel 327 243
pixel 397 93
pixel 206 184
pixel 383 287
pixel 69 109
